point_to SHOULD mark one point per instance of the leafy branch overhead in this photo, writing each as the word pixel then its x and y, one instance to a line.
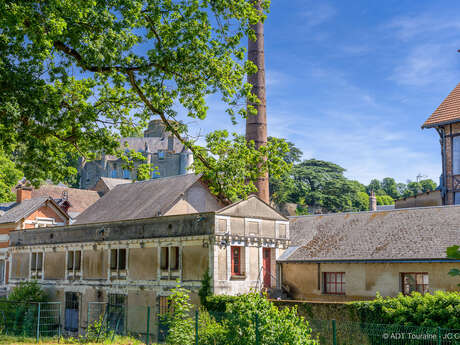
pixel 235 163
pixel 77 74
pixel 454 253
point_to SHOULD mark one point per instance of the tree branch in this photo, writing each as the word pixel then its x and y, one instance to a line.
pixel 169 127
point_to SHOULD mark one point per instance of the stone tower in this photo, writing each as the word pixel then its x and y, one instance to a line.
pixel 256 125
pixel 446 121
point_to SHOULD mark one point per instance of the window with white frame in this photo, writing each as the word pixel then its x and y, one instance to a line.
pixel 414 282
pixel 118 262
pixel 73 262
pixel 36 265
pixel 334 283
pixel 169 258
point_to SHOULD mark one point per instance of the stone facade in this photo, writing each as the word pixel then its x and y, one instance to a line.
pixel 363 280
pixel 154 253
pixel 160 148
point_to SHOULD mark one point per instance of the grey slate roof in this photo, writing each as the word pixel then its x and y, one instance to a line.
pixel 5 206
pixel 143 199
pixel 402 234
pixel 17 211
pixel 111 182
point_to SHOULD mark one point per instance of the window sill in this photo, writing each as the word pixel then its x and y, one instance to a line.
pixel 238 277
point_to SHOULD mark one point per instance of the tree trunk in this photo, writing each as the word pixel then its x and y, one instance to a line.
pixel 256 125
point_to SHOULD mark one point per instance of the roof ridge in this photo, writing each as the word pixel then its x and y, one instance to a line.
pixel 366 212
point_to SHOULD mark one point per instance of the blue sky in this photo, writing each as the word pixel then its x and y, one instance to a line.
pixel 352 82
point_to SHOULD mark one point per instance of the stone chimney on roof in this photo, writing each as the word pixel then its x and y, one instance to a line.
pixel 372 202
pixel 23 193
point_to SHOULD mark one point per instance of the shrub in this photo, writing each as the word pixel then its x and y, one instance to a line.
pixel 27 292
pixel 441 309
pixel 275 326
pixel 219 303
pixel 205 289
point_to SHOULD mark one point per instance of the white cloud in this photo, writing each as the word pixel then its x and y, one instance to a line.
pixel 427 64
pixel 318 13
pixel 407 28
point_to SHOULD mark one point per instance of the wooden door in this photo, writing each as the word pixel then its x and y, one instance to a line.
pixel 267 267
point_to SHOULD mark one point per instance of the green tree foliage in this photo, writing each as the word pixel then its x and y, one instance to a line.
pixel 361 202
pixel 384 200
pixel 235 164
pixel 427 185
pixel 205 290
pixel 322 184
pixel 374 186
pixel 390 187
pixel 454 253
pixel 75 75
pixel 429 310
pixel 9 177
pixel 27 292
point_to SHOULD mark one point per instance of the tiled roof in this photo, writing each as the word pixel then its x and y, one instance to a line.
pixel 111 183
pixel 400 234
pixel 17 211
pixel 79 199
pixel 142 199
pixel 447 112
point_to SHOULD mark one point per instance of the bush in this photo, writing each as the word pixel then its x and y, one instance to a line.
pixel 441 309
pixel 27 292
pixel 275 326
pixel 219 303
pixel 236 325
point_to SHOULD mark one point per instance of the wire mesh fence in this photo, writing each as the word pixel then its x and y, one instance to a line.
pixel 30 319
pixel 151 325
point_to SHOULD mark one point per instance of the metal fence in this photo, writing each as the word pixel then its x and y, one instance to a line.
pixel 104 320
pixel 33 320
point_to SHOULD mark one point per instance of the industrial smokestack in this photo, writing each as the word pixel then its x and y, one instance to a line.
pixel 256 125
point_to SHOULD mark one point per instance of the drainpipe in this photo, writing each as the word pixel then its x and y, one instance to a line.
pixel 442 135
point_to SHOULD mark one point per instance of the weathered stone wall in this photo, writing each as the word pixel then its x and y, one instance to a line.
pixel 54 265
pixel 143 263
pixel 421 200
pixel 95 264
pixel 196 263
pixel 159 227
pixel 363 280
pixel 21 264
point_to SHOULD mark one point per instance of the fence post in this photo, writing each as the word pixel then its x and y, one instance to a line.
pixel 38 323
pixel 334 333
pixel 257 330
pixel 59 325
pixel 196 327
pixel 148 326
pixel 439 336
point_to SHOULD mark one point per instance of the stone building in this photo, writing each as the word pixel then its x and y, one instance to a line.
pixel 26 212
pixel 352 256
pixel 160 148
pixel 135 242
pixel 446 121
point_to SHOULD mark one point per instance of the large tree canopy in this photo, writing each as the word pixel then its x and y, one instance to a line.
pixel 77 74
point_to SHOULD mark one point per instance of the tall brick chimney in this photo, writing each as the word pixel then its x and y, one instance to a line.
pixel 256 125
pixel 372 202
pixel 23 193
